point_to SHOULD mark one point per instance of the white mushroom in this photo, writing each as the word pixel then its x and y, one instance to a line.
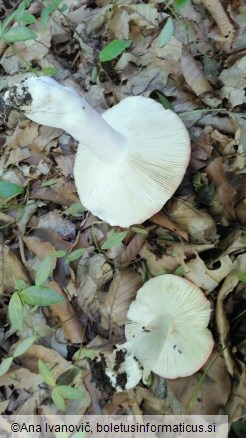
pixel 167 331
pixel 130 159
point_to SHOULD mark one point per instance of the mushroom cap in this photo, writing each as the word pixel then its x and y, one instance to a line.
pixel 131 190
pixel 167 331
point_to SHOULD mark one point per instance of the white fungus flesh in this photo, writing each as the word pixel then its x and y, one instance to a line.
pixel 130 159
pixel 167 329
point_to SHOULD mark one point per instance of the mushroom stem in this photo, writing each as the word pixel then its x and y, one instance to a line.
pixel 91 131
pixel 45 101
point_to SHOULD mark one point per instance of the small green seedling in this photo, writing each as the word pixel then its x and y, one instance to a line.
pixel 59 393
pixel 113 239
pixel 20 349
pixel 114 49
pixel 37 295
pixel 10 190
pixel 15 27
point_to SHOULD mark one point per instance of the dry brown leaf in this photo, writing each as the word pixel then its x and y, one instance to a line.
pixel 69 320
pixel 11 269
pixel 144 15
pixel 214 392
pixel 236 406
pixel 194 75
pixel 133 248
pixel 233 79
pixel 166 256
pixel 221 18
pixel 198 223
pixel 21 378
pixel 225 191
pixel 121 293
pixel 163 220
pixel 231 281
pixel 207 279
pixel 63 193
pixel 38 247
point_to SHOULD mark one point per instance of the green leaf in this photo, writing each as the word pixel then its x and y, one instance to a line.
pixel 166 33
pixel 70 392
pixel 20 284
pixel 49 183
pixel 19 33
pixel 9 189
pixel 76 254
pixel 76 209
pixel 49 71
pixel 179 271
pixel 114 49
pixel 45 373
pixel 113 239
pixel 58 254
pixel 23 346
pixel 5 365
pixel 28 18
pixel 48 10
pixel 164 101
pixel 40 296
pixel 242 277
pixel 139 230
pixel 68 376
pixel 58 399
pixel 44 270
pixel 239 427
pixel 15 311
pixel 179 4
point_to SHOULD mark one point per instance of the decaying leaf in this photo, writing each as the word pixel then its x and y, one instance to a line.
pixel 207 279
pixel 11 269
pixel 121 293
pixel 198 223
pixel 227 287
pixel 194 75
pixel 213 393
pixel 166 256
pixel 69 321
pixel 221 18
pixel 225 191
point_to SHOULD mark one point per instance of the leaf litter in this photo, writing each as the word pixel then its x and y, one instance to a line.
pixel 192 59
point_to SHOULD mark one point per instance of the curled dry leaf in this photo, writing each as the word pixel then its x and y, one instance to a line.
pixel 11 268
pixel 213 393
pixel 193 74
pixel 207 279
pixel 221 18
pixel 67 316
pixel 165 256
pixel 235 408
pixel 225 191
pixel 121 293
pixel 198 223
pixel 133 248
pixel 164 221
pixel 92 273
pixel 228 286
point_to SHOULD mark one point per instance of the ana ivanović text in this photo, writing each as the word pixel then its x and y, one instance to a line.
pixel 112 427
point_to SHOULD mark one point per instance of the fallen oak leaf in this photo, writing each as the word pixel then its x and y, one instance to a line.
pixel 122 291
pixel 225 191
pixel 164 221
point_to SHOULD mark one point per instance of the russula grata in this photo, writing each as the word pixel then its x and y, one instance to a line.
pixel 167 328
pixel 130 159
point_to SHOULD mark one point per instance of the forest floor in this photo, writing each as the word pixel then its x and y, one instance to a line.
pixel 191 57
